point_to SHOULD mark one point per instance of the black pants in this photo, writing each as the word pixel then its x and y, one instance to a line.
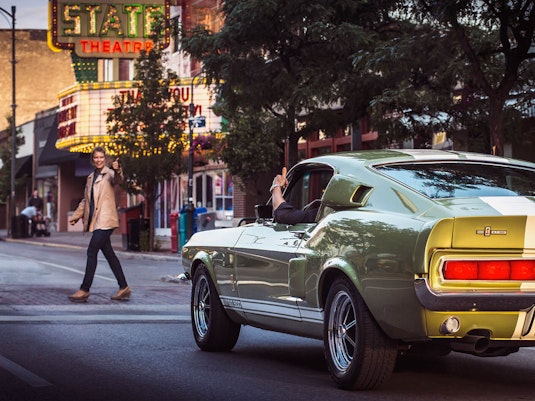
pixel 100 241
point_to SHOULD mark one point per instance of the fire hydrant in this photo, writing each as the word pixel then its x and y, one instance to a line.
pixel 173 219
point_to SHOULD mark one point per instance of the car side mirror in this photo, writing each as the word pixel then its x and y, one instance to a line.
pixel 263 212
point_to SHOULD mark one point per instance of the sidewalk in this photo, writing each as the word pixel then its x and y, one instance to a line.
pixel 81 240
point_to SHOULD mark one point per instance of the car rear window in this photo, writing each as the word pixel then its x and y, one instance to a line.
pixel 461 180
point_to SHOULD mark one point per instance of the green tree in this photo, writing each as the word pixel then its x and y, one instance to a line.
pixel 5 157
pixel 467 65
pixel 146 127
pixel 416 66
pixel 279 61
pixel 260 133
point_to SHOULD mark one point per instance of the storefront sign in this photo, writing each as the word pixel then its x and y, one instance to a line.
pixel 83 110
pixel 106 28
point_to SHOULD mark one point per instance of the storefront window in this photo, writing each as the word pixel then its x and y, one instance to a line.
pixel 204 191
pixel 214 190
pixel 167 202
pixel 223 196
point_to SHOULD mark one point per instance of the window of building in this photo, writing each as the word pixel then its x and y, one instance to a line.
pixel 107 70
pixel 126 69
pixel 166 203
pixel 214 191
pixel 175 24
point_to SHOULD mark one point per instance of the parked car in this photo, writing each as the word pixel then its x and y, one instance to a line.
pixel 411 251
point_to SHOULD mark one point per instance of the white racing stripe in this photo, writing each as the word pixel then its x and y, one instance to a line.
pixel 22 373
pixel 511 205
pixel 516 206
pixel 529 237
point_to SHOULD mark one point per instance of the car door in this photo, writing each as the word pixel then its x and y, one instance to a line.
pixel 263 255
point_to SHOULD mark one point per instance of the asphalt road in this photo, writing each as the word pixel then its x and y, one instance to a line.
pixel 143 350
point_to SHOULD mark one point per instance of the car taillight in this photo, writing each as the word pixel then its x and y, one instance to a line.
pixel 460 270
pixel 489 270
pixel 522 270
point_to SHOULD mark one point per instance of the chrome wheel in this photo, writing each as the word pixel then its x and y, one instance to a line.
pixel 201 307
pixel 358 353
pixel 213 330
pixel 342 333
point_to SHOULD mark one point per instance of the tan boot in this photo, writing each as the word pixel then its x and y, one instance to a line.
pixel 122 295
pixel 79 296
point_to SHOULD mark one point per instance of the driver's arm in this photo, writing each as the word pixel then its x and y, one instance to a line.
pixel 279 182
pixel 276 197
pixel 284 212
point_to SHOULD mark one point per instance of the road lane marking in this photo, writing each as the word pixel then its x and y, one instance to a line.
pixel 70 269
pixel 75 271
pixel 24 374
pixel 86 318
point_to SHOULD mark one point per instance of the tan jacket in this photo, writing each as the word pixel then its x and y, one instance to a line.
pixel 105 214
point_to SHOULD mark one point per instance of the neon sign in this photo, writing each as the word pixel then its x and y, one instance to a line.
pixel 107 28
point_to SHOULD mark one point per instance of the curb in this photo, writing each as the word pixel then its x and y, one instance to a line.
pixel 126 254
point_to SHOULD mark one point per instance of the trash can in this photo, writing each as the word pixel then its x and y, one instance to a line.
pixel 135 228
pixel 206 221
pixel 184 222
pixel 182 228
pixel 125 215
pixel 19 226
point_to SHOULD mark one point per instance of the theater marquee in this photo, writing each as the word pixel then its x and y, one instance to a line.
pixel 106 28
pixel 83 111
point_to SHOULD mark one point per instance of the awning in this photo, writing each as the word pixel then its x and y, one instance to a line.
pixel 51 155
pixel 23 166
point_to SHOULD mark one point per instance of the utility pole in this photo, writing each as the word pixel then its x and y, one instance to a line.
pixel 190 207
pixel 13 114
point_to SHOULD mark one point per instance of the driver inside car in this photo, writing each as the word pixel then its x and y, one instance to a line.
pixel 284 212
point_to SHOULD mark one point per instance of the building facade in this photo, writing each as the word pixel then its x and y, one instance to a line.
pixel 83 105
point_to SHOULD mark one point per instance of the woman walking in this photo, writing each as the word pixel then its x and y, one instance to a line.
pixel 99 213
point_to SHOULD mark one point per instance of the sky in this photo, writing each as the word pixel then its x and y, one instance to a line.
pixel 30 14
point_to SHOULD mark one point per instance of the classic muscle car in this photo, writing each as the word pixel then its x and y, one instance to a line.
pixel 411 251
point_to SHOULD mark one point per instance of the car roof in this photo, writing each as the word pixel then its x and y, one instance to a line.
pixel 345 162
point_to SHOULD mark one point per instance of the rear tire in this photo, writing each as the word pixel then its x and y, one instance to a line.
pixel 212 328
pixel 358 354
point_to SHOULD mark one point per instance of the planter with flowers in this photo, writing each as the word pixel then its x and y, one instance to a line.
pixel 204 147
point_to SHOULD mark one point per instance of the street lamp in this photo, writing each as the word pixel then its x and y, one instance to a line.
pixel 190 208
pixel 13 119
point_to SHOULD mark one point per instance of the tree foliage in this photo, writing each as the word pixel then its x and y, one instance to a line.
pixel 468 62
pixel 258 152
pixel 415 66
pixel 146 128
pixel 5 157
pixel 280 60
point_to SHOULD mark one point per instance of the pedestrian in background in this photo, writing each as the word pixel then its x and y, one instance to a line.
pixel 35 200
pixel 99 213
pixel 29 213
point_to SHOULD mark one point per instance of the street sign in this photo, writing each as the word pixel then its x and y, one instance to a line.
pixel 197 122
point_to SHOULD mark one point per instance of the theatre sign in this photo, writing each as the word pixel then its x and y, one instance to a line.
pixel 83 110
pixel 106 28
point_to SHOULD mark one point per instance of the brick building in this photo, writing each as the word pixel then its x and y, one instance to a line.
pixel 40 74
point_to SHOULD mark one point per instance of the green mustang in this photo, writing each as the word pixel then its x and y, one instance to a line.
pixel 411 251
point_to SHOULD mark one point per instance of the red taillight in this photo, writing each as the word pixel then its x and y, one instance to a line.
pixel 494 270
pixel 460 270
pixel 489 270
pixel 523 270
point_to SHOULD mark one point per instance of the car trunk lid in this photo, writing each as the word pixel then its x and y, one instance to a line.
pixel 494 232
